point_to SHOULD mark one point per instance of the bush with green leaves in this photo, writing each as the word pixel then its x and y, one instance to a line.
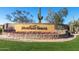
pixel 0 30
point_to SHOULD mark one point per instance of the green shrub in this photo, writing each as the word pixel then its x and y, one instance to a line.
pixel 0 30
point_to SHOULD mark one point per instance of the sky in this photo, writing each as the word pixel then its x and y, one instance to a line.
pixel 73 12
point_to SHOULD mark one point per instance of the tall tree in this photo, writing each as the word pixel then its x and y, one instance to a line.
pixel 57 17
pixel 74 26
pixel 20 17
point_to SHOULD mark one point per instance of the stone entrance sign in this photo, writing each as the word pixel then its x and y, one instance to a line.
pixel 34 27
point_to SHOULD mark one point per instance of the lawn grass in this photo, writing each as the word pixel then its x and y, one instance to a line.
pixel 40 46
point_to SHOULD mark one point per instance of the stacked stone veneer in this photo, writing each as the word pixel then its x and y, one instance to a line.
pixel 33 35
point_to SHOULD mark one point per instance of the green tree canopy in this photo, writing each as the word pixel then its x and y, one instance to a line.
pixel 20 17
pixel 57 17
